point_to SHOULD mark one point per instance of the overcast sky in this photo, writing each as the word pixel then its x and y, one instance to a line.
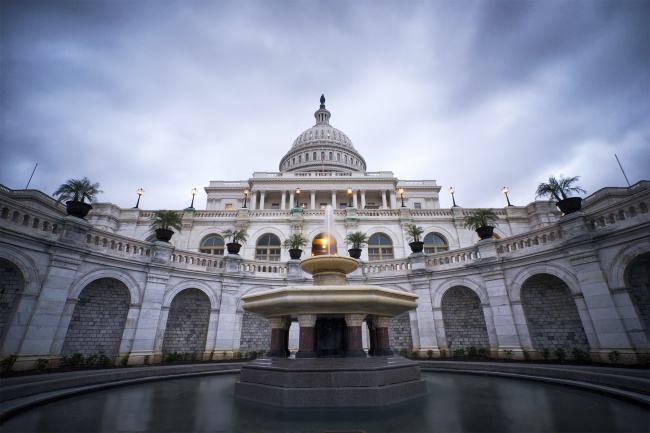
pixel 169 95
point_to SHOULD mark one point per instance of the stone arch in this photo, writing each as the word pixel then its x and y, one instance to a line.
pixel 616 275
pixel 439 292
pixel 637 277
pixel 135 291
pixel 464 320
pixel 187 324
pixel 169 296
pixel 98 319
pixel 12 284
pixel 514 289
pixel 551 314
pixel 26 266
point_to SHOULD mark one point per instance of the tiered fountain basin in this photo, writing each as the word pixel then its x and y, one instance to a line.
pixel 330 369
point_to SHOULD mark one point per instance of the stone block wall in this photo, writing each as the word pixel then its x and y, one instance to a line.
pixel 399 332
pixel 551 314
pixel 98 319
pixel 187 323
pixel 638 282
pixel 464 319
pixel 11 284
pixel 255 333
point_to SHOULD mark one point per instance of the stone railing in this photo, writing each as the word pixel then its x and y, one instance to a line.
pixel 198 260
pixel 400 265
pixel 543 236
pixel 117 244
pixel 31 220
pixel 255 266
pixel 612 216
pixel 431 213
pixel 378 213
pixel 450 258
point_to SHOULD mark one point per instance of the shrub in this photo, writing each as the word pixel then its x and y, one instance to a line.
pixel 41 363
pixel 472 352
pixel 459 353
pixel 526 354
pixel 509 353
pixel 146 360
pixel 560 354
pixel 124 361
pixel 415 354
pixel 613 356
pixel 7 364
pixel 580 355
pixel 430 354
pixel 104 360
pixel 237 355
pixel 64 361
pixel 546 354
pixel 443 353
pixel 76 360
pixel 224 355
pixel 404 352
pixel 91 359
pixel 483 352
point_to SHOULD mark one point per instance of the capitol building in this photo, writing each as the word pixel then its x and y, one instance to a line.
pixel 545 281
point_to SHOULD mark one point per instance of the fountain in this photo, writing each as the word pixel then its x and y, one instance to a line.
pixel 331 368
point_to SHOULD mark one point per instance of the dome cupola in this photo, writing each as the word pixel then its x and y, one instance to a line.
pixel 322 148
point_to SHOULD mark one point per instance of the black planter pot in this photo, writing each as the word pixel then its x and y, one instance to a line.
pixel 417 247
pixel 164 234
pixel 569 205
pixel 233 247
pixel 355 253
pixel 295 253
pixel 77 209
pixel 485 232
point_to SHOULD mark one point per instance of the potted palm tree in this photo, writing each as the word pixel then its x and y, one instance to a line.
pixel 414 232
pixel 357 240
pixel 236 237
pixel 560 190
pixel 294 244
pixel 74 192
pixel 482 221
pixel 163 223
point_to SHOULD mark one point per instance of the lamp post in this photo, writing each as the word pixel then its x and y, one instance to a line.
pixel 193 192
pixel 297 197
pixel 505 190
pixel 246 191
pixel 452 191
pixel 401 194
pixel 349 197
pixel 140 192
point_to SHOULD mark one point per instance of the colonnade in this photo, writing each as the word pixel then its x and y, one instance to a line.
pixel 291 198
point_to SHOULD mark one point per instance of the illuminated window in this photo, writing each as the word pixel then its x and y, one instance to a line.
pixel 434 243
pixel 228 206
pixel 380 247
pixel 213 245
pixel 268 248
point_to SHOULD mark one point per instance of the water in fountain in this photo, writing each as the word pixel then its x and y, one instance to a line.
pixel 329 217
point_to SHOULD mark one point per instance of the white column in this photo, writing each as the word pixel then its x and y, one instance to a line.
pixel 262 195
pixel 291 195
pixel 393 199
pixel 354 198
pixel 334 198
pixel 253 199
pixel 383 199
pixel 313 198
pixel 283 199
pixel 363 199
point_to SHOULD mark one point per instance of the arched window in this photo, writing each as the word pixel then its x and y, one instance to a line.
pixel 380 247
pixel 434 243
pixel 268 248
pixel 315 157
pixel 213 245
pixel 331 156
pixel 306 157
pixel 299 158
pixel 338 156
pixel 322 245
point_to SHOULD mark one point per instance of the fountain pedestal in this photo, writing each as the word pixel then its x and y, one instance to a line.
pixel 331 368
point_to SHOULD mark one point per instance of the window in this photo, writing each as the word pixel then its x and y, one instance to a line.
pixel 417 205
pixel 434 243
pixel 323 205
pixel 331 156
pixel 275 205
pixel 268 248
pixel 303 205
pixel 343 205
pixel 228 206
pixel 380 247
pixel 213 245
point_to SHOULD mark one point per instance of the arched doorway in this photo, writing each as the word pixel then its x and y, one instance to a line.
pixel 637 279
pixel 464 320
pixel 187 323
pixel 323 244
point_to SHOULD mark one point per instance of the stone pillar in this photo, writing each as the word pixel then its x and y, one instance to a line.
pixel 334 199
pixel 313 199
pixel 354 199
pixel 502 314
pixel 283 199
pixel 363 199
pixel 291 199
pixel 278 336
pixel 384 205
pixel 393 200
pixel 372 338
pixel 355 342
pixel 307 341
pixel 383 343
pixel 253 199
pixel 262 196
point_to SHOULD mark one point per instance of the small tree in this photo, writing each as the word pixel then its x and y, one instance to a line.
pixel 295 241
pixel 167 219
pixel 414 232
pixel 77 190
pixel 480 218
pixel 236 236
pixel 559 189
pixel 356 239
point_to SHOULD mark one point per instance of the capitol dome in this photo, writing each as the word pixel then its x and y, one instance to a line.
pixel 322 148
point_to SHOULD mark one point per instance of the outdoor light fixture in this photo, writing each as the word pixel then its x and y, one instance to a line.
pixel 505 190
pixel 401 193
pixel 349 197
pixel 139 192
pixel 452 190
pixel 246 191
pixel 193 192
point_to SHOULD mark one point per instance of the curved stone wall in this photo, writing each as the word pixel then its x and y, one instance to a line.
pixel 464 319
pixel 638 282
pixel 11 284
pixel 187 323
